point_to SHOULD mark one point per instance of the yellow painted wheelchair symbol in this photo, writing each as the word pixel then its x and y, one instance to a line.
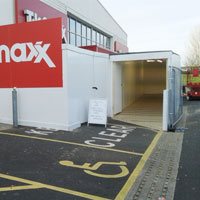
pixel 90 169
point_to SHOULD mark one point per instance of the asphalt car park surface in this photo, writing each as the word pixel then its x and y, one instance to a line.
pixel 89 163
pixel 188 179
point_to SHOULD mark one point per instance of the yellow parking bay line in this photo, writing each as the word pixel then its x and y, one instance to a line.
pixel 71 143
pixel 50 187
pixel 137 171
pixel 24 187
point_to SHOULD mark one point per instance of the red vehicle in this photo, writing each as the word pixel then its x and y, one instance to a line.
pixel 192 87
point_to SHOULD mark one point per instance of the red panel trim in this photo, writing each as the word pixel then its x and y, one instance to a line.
pixel 120 48
pixel 195 72
pixel 97 49
pixel 42 9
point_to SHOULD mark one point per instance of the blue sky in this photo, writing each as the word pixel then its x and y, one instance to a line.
pixel 156 24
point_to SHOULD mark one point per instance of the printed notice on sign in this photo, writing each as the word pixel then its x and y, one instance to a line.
pixel 97 111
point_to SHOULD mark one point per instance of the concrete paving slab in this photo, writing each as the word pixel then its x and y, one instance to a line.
pixel 5 126
pixel 158 178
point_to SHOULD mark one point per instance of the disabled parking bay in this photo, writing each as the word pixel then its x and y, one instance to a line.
pixel 88 163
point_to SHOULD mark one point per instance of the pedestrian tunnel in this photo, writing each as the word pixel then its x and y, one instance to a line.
pixel 139 82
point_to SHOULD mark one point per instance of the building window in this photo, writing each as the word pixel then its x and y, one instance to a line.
pixel 101 40
pixel 89 41
pixel 78 28
pixel 78 40
pixel 83 31
pixel 72 39
pixel 80 34
pixel 98 40
pixel 72 25
pixel 94 37
pixel 107 43
pixel 104 40
pixel 84 42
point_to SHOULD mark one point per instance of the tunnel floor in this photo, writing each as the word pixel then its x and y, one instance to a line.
pixel 146 111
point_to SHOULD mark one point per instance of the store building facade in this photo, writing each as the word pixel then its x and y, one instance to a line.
pixel 85 23
pixel 55 88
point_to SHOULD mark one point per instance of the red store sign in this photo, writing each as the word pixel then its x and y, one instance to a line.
pixel 31 54
pixel 35 10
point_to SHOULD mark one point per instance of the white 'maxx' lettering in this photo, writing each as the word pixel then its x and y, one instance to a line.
pixel 26 52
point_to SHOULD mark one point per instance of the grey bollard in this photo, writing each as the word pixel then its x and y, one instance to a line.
pixel 14 107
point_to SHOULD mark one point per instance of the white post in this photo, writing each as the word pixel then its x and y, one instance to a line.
pixel 165 109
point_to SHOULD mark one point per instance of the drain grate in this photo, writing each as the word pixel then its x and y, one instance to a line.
pixel 181 129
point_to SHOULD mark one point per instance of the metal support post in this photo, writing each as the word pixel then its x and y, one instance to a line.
pixel 14 107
